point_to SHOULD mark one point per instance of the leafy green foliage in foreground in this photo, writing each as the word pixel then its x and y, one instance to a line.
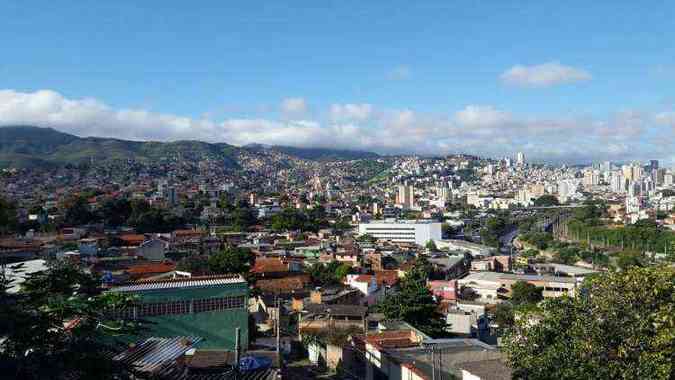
pixel 58 327
pixel 620 326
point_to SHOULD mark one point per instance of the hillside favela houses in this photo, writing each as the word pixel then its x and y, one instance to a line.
pixel 337 190
pixel 320 283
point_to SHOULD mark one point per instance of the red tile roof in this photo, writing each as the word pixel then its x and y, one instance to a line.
pixel 139 270
pixel 283 285
pixel 381 277
pixel 387 277
pixel 392 339
pixel 269 265
pixel 133 239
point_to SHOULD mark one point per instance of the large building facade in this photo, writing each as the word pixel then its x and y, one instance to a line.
pixel 402 231
pixel 211 307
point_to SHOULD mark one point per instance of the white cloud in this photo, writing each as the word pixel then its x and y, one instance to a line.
pixel 544 75
pixel 665 118
pixel 350 112
pixel 481 116
pixel 401 72
pixel 294 106
pixel 478 129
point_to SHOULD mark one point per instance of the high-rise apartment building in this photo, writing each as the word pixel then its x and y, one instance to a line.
pixel 618 183
pixel 406 196
pixel 520 158
pixel 653 164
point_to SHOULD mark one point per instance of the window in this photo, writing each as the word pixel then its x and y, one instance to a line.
pixel 182 307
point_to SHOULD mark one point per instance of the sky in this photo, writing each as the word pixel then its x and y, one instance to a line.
pixel 561 81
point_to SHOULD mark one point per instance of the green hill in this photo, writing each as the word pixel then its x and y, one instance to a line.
pixel 25 146
pixel 28 146
pixel 324 154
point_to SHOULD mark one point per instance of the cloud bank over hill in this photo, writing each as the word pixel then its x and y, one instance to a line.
pixel 478 129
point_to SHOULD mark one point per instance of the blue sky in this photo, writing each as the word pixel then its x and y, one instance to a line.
pixel 222 71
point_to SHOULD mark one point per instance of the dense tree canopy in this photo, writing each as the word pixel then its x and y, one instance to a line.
pixel 546 200
pixel 541 240
pixel 196 264
pixel 146 218
pixel 525 293
pixel 414 302
pixel 7 216
pixel 77 211
pixel 620 326
pixel 329 274
pixel 116 212
pixel 39 343
pixel 291 219
pixel 495 227
pixel 231 260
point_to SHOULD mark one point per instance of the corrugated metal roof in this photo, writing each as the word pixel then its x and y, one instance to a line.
pixel 155 353
pixel 193 282
pixel 176 373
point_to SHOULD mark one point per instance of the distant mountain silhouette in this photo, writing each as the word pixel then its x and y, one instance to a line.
pixel 30 146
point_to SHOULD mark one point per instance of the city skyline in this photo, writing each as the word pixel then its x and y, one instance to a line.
pixel 433 79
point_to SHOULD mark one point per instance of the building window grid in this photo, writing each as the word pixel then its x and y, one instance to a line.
pixel 182 307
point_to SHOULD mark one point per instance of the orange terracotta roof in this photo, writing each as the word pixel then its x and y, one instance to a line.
pixel 392 339
pixel 285 284
pixel 363 278
pixel 381 278
pixel 147 268
pixel 133 238
pixel 387 277
pixel 269 265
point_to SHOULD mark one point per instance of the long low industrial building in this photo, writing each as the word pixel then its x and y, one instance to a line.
pixel 402 231
pixel 492 286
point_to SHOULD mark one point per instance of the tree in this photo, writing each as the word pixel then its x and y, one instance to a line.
pixel 494 228
pixel 626 259
pixel 58 327
pixel 530 253
pixel 414 303
pixel 243 217
pixel 194 264
pixel 330 274
pixel 525 293
pixel 231 260
pixel 431 246
pixel 503 316
pixel 77 211
pixel 7 216
pixel 541 240
pixel 621 325
pixel 116 212
pixel 590 212
pixel 146 218
pixel 289 219
pixel 546 200
pixel 567 255
pixel 342 271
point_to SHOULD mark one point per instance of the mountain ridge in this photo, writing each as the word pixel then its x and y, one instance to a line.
pixel 26 146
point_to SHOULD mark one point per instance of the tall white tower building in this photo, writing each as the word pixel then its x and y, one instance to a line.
pixel 520 158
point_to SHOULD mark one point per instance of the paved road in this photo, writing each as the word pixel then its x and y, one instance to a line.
pixel 506 240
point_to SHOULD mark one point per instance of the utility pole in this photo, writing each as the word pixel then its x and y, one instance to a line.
pixel 433 363
pixel 278 327
pixel 237 352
